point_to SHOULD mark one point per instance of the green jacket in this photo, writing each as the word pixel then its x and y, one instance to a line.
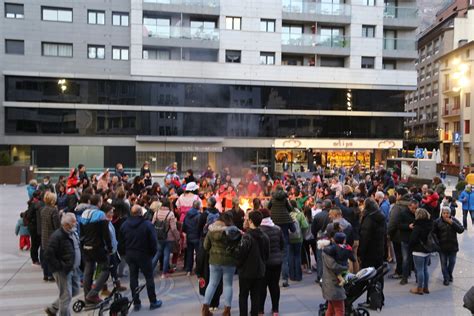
pixel 298 216
pixel 216 245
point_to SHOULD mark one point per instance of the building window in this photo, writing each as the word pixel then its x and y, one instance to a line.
pixel 232 23
pixel 232 56
pixel 368 63
pixel 467 126
pixel 267 25
pixel 368 30
pixel 332 62
pixel 56 49
pixel 267 58
pixel 14 47
pixel 96 17
pixel 468 99
pixel 456 102
pixel 120 18
pixel 96 51
pixel 389 64
pixel 468 53
pixel 435 88
pixel 14 11
pixel 120 53
pixel 160 54
pixel 56 14
pixel 368 2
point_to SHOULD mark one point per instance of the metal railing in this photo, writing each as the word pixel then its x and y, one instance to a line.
pixel 181 32
pixel 399 44
pixel 314 40
pixel 202 3
pixel 307 7
pixel 400 12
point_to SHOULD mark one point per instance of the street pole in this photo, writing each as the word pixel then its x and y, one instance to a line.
pixel 461 132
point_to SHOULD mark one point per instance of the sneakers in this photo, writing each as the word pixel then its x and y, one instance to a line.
pixel 49 312
pixel 309 271
pixel 155 305
pixel 403 281
pixel 285 284
pixel 188 274
pixel 446 282
pixel 137 307
pixel 93 300
pixel 395 276
pixel 213 309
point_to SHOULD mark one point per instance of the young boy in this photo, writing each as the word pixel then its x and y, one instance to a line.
pixel 22 230
pixel 341 252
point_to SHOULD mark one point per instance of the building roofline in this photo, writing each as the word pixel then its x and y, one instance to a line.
pixel 454 51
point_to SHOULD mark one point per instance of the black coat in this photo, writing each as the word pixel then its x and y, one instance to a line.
pixel 447 234
pixel 372 239
pixel 319 224
pixel 419 234
pixel 406 218
pixel 60 252
pixel 203 220
pixel 252 253
pixel 140 238
pixel 277 244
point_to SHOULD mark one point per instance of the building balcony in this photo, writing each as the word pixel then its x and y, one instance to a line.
pixel 315 11
pixel 401 17
pixel 312 43
pixel 177 36
pixel 451 113
pixel 210 7
pixel 399 48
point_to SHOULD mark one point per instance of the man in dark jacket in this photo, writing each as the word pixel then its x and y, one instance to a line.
pixel 318 228
pixel 63 256
pixel 191 229
pixel 34 220
pixel 393 232
pixel 141 246
pixel 253 252
pixel 407 218
pixel 96 246
pixel 211 209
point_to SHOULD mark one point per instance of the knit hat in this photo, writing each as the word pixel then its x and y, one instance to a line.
pixel 339 238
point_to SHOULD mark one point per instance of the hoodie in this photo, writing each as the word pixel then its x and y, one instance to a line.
pixel 216 243
pixel 372 238
pixel 280 208
pixel 252 253
pixel 95 234
pixel 191 224
pixel 139 237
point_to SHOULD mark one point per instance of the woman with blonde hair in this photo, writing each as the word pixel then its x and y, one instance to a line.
pixel 421 228
pixel 49 216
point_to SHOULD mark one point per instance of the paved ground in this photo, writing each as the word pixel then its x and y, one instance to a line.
pixel 22 291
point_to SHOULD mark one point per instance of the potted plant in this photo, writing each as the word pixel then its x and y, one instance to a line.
pixel 459 188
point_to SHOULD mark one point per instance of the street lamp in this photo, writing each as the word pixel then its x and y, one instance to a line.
pixel 406 132
pixel 461 81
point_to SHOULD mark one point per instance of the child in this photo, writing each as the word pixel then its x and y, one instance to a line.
pixel 22 229
pixel 341 252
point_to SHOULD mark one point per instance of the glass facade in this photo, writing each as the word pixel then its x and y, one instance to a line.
pixel 85 91
pixel 33 121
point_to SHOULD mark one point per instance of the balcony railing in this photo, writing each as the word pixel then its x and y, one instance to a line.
pixel 202 3
pixel 400 12
pixel 399 44
pixel 451 111
pixel 179 32
pixel 314 40
pixel 307 7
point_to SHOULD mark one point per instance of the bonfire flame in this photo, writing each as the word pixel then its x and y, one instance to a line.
pixel 245 203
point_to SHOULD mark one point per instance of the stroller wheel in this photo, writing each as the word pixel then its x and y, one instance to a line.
pixel 362 312
pixel 78 306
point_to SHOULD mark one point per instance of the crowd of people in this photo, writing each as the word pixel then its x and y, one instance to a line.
pixel 86 230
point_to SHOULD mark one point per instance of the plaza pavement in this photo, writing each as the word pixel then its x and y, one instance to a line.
pixel 22 291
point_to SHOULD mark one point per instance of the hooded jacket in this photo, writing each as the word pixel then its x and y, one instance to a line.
pixel 60 253
pixel 280 207
pixel 372 238
pixel 277 243
pixel 407 217
pixel 191 224
pixel 394 221
pixel 139 237
pixel 203 220
pixel 447 234
pixel 420 233
pixel 95 235
pixel 216 244
pixel 252 253
pixel 467 200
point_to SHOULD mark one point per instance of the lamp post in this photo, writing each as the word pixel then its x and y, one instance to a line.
pixel 461 81
pixel 406 132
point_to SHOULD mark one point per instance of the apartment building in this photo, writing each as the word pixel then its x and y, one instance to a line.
pixel 202 82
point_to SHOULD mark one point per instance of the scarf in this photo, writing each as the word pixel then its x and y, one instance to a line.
pixel 267 222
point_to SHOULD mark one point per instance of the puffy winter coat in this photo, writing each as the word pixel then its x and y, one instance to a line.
pixel 394 221
pixel 420 233
pixel 277 244
pixel 280 207
pixel 447 234
pixel 60 252
pixel 252 253
pixel 467 200
pixel 216 244
pixel 372 239
pixel 330 283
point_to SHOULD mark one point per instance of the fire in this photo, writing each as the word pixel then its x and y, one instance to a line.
pixel 245 203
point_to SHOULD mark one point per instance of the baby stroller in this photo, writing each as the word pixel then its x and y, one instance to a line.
pixel 115 303
pixel 365 280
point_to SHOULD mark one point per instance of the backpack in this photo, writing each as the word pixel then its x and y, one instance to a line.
pixel 376 296
pixel 431 244
pixel 211 218
pixel 297 234
pixel 162 228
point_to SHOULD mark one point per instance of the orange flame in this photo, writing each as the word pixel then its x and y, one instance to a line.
pixel 245 203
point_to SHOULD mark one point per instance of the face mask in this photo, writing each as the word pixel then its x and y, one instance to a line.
pixel 45 182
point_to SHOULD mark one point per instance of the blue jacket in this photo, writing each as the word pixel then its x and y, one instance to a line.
pixel 467 200
pixel 21 229
pixel 139 237
pixel 385 208
pixel 30 189
pixel 191 224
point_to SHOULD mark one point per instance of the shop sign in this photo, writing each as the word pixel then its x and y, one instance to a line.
pixel 201 149
pixel 338 143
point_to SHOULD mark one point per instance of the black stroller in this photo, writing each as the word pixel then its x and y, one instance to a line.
pixel 365 279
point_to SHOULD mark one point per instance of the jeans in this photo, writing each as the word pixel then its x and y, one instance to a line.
pixel 68 286
pixel 421 267
pixel 89 267
pixel 286 238
pixel 406 260
pixel 294 262
pixel 306 253
pixel 464 217
pixel 447 260
pixel 192 246
pixel 114 263
pixel 397 249
pixel 272 277
pixel 319 263
pixel 216 272
pixel 254 288
pixel 143 263
pixel 44 265
pixel 163 254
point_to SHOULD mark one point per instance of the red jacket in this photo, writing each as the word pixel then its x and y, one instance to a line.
pixel 431 200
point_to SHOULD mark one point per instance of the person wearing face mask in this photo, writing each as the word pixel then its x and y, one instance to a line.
pixel 46 185
pixel 63 257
